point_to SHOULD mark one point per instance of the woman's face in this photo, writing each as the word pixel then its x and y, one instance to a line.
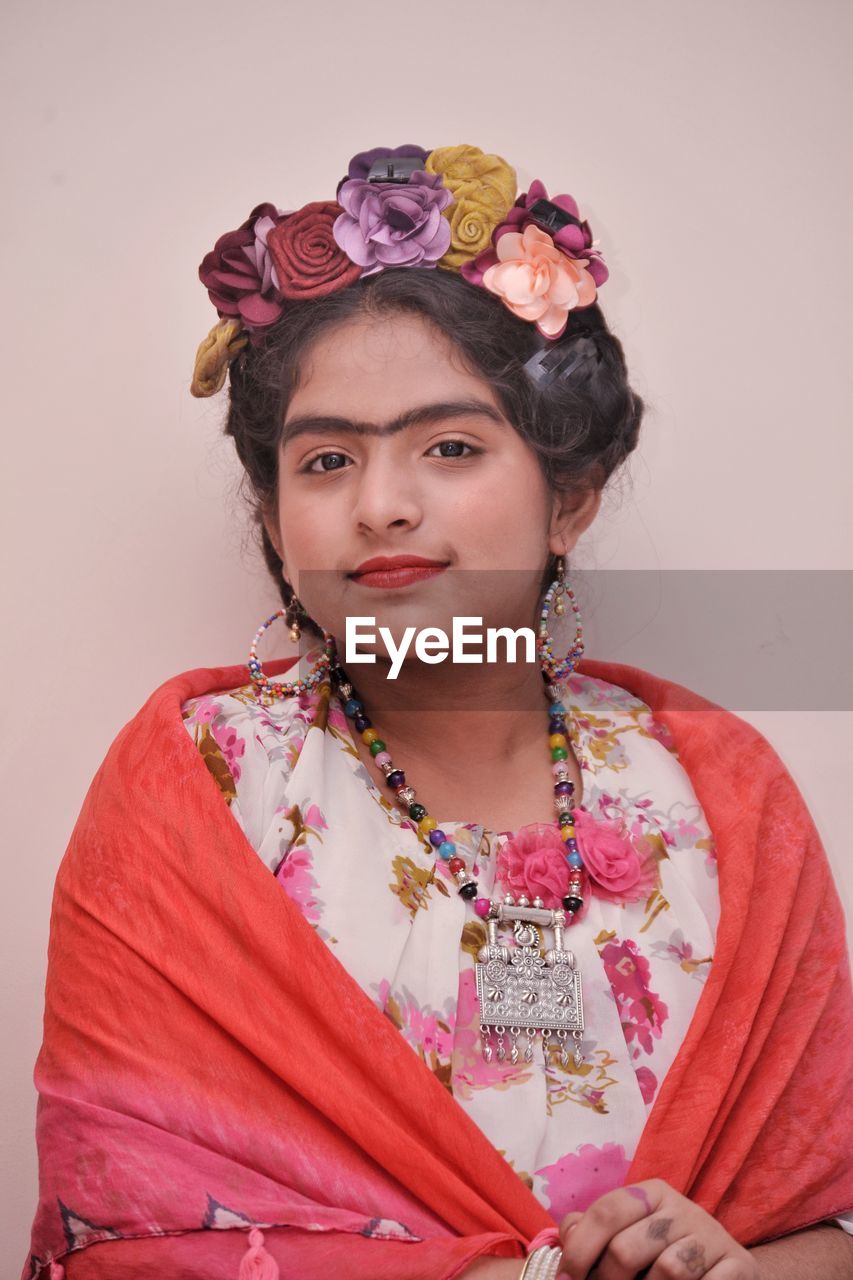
pixel 390 446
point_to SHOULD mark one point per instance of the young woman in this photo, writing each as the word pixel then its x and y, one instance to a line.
pixel 423 967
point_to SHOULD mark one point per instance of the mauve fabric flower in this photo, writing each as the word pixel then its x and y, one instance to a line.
pixel 533 862
pixel 621 868
pixel 537 281
pixel 307 261
pixel 359 166
pixel 574 241
pixel 393 224
pixel 237 272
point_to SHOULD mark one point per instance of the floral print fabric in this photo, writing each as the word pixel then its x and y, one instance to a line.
pixel 391 913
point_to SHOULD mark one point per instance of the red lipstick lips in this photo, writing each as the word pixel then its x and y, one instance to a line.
pixel 395 571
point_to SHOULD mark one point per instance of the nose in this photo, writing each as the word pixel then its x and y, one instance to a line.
pixel 386 495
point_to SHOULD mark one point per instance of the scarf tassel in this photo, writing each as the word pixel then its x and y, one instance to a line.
pixel 256 1263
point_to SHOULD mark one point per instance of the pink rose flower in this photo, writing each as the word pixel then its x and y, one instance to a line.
pixel 533 862
pixel 537 281
pixel 620 868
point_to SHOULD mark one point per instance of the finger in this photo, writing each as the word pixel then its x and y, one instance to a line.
pixel 604 1219
pixel 567 1225
pixel 633 1250
pixel 687 1259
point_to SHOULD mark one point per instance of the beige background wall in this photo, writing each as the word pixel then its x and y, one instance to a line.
pixel 705 143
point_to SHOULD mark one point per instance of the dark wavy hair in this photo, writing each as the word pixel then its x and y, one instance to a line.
pixel 581 427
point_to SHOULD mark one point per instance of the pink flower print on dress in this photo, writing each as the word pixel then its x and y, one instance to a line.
pixel 653 728
pixel 575 1181
pixel 621 867
pixel 470 1070
pixel 312 816
pixel 337 718
pixel 205 710
pixel 232 747
pixel 648 1083
pixel 294 876
pixel 681 951
pixel 428 1032
pixel 641 1011
pixel 683 830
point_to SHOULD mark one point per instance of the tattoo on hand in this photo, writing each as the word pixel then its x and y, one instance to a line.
pixel 693 1257
pixel 658 1228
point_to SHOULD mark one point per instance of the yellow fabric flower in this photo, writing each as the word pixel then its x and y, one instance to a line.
pixel 484 188
pixel 215 353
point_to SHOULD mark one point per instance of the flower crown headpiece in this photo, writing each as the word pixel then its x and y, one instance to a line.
pixel 453 207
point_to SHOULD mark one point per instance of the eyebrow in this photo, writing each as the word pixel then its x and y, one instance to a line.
pixel 328 424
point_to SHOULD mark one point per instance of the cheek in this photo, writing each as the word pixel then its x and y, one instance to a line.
pixel 307 531
pixel 508 524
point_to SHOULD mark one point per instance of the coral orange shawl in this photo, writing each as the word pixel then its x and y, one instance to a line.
pixel 208 1063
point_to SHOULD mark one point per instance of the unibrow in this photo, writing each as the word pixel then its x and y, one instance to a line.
pixel 329 424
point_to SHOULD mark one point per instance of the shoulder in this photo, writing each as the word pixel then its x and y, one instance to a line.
pixel 251 751
pixel 606 710
pixel 238 736
pixel 751 800
pixel 698 729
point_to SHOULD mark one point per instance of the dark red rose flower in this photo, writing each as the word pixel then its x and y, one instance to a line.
pixel 307 260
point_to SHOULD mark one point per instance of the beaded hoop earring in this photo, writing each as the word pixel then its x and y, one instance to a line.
pixel 552 669
pixel 266 690
pixel 295 629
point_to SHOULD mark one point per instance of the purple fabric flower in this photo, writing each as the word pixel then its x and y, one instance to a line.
pixel 237 272
pixel 574 241
pixel 359 166
pixel 393 224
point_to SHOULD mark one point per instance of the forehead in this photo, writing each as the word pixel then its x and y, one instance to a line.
pixel 374 366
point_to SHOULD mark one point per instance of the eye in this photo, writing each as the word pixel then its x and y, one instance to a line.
pixel 461 443
pixel 309 466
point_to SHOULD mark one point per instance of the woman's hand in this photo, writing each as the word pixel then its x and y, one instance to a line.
pixel 649 1229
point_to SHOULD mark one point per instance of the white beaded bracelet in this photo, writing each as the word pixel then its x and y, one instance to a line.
pixel 542 1264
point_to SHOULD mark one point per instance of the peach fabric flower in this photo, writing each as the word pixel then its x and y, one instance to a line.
pixel 537 281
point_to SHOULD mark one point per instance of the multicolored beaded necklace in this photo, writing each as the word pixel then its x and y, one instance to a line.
pixel 436 839
pixel 519 988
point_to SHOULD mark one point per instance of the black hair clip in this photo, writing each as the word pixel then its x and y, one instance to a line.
pixel 550 216
pixel 548 364
pixel 394 168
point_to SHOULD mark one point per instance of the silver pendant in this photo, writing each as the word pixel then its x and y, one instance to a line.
pixel 525 989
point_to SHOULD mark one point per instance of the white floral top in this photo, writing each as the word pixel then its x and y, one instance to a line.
pixel 391 911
